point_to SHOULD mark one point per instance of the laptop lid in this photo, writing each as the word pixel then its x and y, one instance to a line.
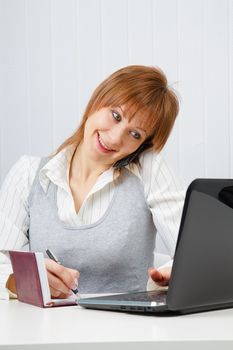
pixel 203 264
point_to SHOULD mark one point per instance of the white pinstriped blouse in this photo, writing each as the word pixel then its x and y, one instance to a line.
pixel 163 194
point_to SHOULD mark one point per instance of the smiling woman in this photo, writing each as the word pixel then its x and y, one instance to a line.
pixel 135 92
pixel 100 199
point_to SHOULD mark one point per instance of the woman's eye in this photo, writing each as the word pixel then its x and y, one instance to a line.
pixel 116 116
pixel 136 135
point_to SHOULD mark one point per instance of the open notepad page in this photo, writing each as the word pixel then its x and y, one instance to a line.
pixel 45 285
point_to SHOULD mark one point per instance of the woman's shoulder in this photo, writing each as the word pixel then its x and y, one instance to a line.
pixel 29 161
pixel 152 165
pixel 151 156
pixel 27 164
pixel 150 161
pixel 23 171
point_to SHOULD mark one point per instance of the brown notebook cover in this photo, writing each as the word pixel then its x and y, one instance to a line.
pixel 28 283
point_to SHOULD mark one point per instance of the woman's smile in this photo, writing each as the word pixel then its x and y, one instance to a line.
pixel 102 146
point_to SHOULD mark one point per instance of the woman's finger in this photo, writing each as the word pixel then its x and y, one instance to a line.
pixel 161 276
pixel 69 277
pixel 57 294
pixel 57 284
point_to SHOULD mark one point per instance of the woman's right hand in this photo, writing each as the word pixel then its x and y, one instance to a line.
pixel 61 279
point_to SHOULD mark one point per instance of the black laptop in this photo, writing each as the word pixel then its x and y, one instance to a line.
pixel 202 273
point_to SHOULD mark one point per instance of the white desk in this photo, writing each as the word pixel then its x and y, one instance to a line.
pixel 25 327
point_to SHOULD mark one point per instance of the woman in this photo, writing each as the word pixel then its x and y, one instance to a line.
pixel 100 200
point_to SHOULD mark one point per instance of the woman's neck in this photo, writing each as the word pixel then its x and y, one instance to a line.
pixel 83 169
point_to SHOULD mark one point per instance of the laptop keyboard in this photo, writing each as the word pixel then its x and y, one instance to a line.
pixel 157 296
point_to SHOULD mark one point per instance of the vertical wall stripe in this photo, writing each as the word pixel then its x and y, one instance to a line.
pixel 75 99
pixel 114 36
pixel 152 5
pixel 230 81
pixel 203 89
pixel 228 87
pixel 1 94
pixel 216 72
pixel 51 28
pixel 27 59
pixel 101 38
pixel 127 31
pixel 179 77
pixel 191 131
pixel 166 56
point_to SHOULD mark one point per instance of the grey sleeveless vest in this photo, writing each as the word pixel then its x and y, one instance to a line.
pixel 112 254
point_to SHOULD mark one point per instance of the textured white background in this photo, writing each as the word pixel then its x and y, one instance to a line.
pixel 54 52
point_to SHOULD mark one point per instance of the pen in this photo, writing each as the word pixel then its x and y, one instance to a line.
pixel 53 257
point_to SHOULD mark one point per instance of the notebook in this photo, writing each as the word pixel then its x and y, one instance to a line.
pixel 32 282
pixel 203 262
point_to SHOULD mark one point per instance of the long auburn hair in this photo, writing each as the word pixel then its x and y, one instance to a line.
pixel 141 90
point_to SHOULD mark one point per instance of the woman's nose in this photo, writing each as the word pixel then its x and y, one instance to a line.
pixel 117 135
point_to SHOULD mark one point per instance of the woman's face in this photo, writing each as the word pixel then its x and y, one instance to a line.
pixel 109 136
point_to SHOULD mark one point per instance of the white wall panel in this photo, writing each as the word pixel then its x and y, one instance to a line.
pixel 64 69
pixel 40 76
pixel 89 43
pixel 140 46
pixel 2 108
pixel 166 56
pixel 191 87
pixel 54 53
pixel 114 28
pixel 14 121
pixel 230 65
pixel 216 75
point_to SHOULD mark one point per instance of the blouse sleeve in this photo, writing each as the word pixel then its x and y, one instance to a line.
pixel 14 214
pixel 165 198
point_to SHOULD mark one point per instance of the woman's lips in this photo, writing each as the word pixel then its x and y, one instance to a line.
pixel 101 146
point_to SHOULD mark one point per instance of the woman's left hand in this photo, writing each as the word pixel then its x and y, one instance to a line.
pixel 161 276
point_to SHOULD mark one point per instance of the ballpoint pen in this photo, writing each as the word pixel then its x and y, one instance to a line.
pixel 53 257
